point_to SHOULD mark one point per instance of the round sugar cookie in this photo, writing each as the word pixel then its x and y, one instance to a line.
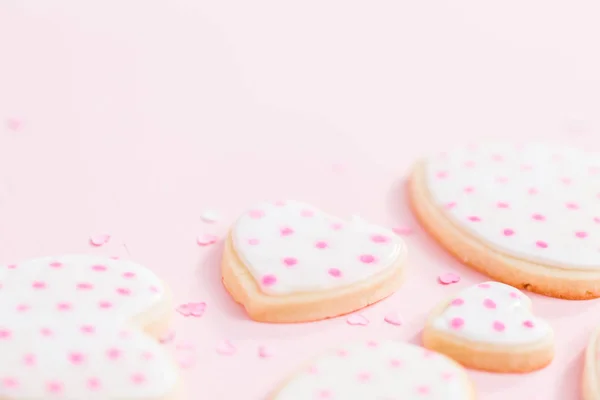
pixel 291 262
pixel 591 369
pixel 490 326
pixel 84 327
pixel 528 216
pixel 385 370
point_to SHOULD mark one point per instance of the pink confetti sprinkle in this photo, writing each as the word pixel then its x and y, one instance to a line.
pixel 99 240
pixel 357 319
pixel 226 348
pixel 393 318
pixel 403 230
pixel 206 239
pixel 265 352
pixel 192 309
pixel 448 278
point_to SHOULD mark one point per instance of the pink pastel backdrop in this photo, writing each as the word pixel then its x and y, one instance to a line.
pixel 133 117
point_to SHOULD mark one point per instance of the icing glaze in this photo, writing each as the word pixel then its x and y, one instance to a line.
pixel 379 370
pixel 492 312
pixel 534 202
pixel 290 247
pixel 63 331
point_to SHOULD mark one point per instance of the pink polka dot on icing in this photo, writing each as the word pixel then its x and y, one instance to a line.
pixel 113 353
pixel 502 204
pixel 269 280
pixel 572 206
pixel 508 232
pixel 11 266
pixel 450 205
pixel 138 378
pixel 76 358
pixel 10 383
pixel 29 359
pixel 489 303
pixel 5 334
pixel 129 275
pixel 514 295
pixel 363 377
pixel 290 261
pixel 280 203
pixel 99 268
pixel 46 332
pixel 581 234
pixel 497 157
pixel 469 189
pixel 526 167
pixel 84 286
pixel 105 304
pixel 253 242
pixel 528 324
pixel 501 179
pixel 457 323
pixel 336 226
pixel 23 308
pixel 474 218
pixel 423 389
pixel 63 306
pixel 38 285
pixel 124 291
pixel 286 231
pixel 538 217
pixel 484 285
pixel 457 302
pixel 367 258
pixel 442 174
pixel 256 214
pixel 87 329
pixel 541 244
pixel 379 239
pixel 597 220
pixel 498 326
pixel 336 273
pixel 470 164
pixel 324 394
pixel 54 387
pixel 566 181
pixel 395 363
pixel 532 191
pixel 93 384
pixel 321 244
pixel 307 213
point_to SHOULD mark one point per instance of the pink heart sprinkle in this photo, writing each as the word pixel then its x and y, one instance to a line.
pixel 448 278
pixel 192 309
pixel 226 348
pixel 457 323
pixel 499 326
pixel 265 352
pixel 393 318
pixel 402 231
pixel 489 303
pixel 206 239
pixel 357 319
pixel 581 234
pixel 99 240
pixel 528 324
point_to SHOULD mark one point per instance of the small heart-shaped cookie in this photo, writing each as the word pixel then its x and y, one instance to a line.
pixel 290 262
pixel 490 326
pixel 528 216
pixel 379 370
pixel 72 327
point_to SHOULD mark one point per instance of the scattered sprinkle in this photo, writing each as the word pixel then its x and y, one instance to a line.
pixel 226 348
pixel 192 309
pixel 448 278
pixel 209 216
pixel 393 318
pixel 206 239
pixel 357 319
pixel 13 124
pixel 265 352
pixel 99 240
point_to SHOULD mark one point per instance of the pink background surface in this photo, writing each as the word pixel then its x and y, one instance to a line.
pixel 136 116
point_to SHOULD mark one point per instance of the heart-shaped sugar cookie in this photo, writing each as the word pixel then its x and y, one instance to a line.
pixel 71 327
pixel 385 370
pixel 490 326
pixel 290 262
pixel 528 215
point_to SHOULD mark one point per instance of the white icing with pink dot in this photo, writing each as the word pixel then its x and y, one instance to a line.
pixel 290 247
pixel 63 333
pixel 534 202
pixel 379 370
pixel 492 312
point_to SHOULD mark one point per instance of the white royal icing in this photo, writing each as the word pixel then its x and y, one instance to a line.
pixel 535 202
pixel 492 312
pixel 63 333
pixel 290 247
pixel 379 370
